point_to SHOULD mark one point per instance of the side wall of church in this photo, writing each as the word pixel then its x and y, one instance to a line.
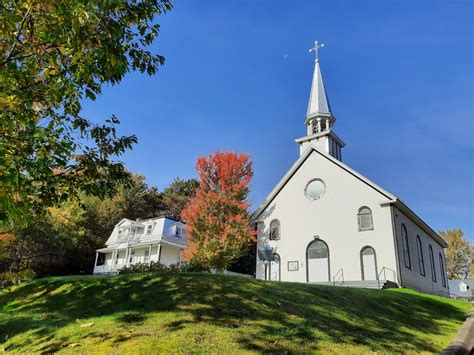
pixel 411 271
pixel 332 218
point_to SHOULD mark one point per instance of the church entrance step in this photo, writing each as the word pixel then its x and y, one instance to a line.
pixel 372 284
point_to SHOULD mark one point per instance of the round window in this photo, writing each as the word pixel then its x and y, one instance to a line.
pixel 315 189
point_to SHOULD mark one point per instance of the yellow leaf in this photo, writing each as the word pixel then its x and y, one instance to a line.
pixel 87 325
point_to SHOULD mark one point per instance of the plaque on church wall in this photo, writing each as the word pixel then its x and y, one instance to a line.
pixel 293 266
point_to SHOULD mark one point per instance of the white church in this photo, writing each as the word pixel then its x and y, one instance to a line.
pixel 326 223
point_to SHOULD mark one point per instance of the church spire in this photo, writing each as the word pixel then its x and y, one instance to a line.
pixel 319 118
pixel 318 98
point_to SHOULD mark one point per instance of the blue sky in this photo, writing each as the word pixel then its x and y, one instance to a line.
pixel 399 76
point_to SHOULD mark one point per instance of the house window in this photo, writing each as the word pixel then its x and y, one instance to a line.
pixel 149 228
pixel 179 232
pixel 275 230
pixel 432 264
pixel 120 232
pixel 132 255
pixel 406 247
pixel 421 260
pixel 441 268
pixel 147 256
pixel 463 287
pixel 364 219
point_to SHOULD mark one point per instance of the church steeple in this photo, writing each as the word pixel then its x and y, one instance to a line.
pixel 319 118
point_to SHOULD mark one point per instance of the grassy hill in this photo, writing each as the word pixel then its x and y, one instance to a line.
pixel 194 312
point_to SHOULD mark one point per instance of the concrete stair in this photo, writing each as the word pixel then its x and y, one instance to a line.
pixel 372 284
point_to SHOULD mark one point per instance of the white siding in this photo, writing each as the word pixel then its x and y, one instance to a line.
pixel 412 278
pixel 169 255
pixel 333 218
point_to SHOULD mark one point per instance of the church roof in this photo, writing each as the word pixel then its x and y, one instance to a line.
pixel 318 98
pixel 391 199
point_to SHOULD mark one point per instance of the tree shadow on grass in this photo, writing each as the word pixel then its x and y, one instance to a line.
pixel 280 316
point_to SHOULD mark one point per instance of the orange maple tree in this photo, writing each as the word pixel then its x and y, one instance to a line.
pixel 218 227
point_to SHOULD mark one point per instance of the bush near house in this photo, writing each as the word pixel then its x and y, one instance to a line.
pixel 154 266
pixel 196 312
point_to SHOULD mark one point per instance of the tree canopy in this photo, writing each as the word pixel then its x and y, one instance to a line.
pixel 217 217
pixel 458 254
pixel 54 55
pixel 75 229
pixel 177 195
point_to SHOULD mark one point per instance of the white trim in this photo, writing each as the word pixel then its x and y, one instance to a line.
pixel 321 134
pixel 149 255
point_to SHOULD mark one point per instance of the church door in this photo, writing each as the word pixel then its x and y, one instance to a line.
pixel 368 263
pixel 275 268
pixel 317 262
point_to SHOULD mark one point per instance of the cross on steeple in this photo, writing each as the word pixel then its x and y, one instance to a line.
pixel 316 49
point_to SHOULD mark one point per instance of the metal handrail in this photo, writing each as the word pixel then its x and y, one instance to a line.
pixel 384 270
pixel 339 274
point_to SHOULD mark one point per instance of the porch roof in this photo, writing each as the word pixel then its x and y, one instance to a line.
pixel 123 246
pixel 105 250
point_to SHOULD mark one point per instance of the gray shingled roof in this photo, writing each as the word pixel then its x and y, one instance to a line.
pixel 455 291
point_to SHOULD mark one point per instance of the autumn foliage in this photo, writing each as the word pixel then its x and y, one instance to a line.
pixel 217 218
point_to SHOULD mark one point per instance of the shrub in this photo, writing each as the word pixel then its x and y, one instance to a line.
pixel 10 278
pixel 142 268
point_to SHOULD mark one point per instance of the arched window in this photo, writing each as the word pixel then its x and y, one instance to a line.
pixel 432 264
pixel 275 230
pixel 441 268
pixel 406 247
pixel 419 251
pixel 275 268
pixel 364 219
pixel 317 262
pixel 368 263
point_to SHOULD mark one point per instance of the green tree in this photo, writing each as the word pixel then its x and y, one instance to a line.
pixel 458 254
pixel 54 55
pixel 75 229
pixel 134 200
pixel 177 195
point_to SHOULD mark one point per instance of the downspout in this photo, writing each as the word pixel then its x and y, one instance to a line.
pixel 397 259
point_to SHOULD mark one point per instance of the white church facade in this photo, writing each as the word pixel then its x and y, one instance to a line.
pixel 141 241
pixel 326 223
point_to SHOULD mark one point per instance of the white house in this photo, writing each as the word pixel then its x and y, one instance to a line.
pixel 326 223
pixel 141 241
pixel 461 289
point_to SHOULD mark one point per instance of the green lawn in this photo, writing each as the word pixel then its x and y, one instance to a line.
pixel 193 312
